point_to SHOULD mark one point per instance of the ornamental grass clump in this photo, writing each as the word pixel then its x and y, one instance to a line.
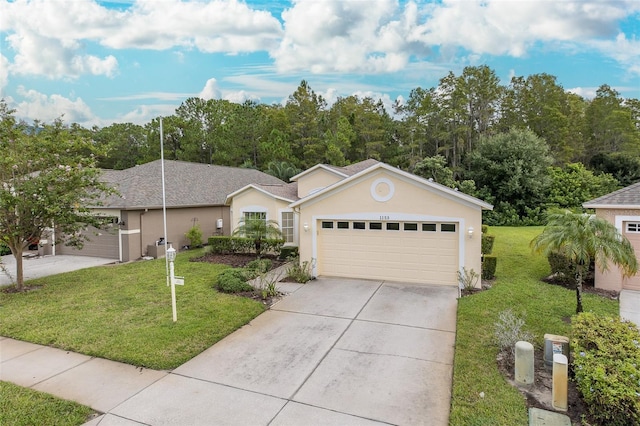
pixel 606 365
pixel 509 330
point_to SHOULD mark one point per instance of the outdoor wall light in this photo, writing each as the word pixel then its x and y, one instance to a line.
pixel 470 231
pixel 306 227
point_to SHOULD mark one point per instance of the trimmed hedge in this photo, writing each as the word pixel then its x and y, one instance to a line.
pixel 487 243
pixel 606 364
pixel 288 252
pixel 562 267
pixel 489 267
pixel 225 245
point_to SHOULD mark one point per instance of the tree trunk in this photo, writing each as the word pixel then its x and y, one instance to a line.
pixel 579 289
pixel 17 253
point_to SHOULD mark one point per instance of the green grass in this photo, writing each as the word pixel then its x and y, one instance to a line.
pixel 123 312
pixel 25 407
pixel 545 308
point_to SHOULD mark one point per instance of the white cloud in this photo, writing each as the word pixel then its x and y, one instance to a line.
pixel 625 51
pixel 210 90
pixel 49 38
pixel 36 105
pixel 380 36
pixel 346 36
pixel 4 73
pixel 143 114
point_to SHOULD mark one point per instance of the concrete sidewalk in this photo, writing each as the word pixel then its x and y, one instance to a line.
pixel 336 351
pixel 44 266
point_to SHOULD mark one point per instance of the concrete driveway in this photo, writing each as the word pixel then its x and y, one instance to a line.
pixel 44 266
pixel 335 352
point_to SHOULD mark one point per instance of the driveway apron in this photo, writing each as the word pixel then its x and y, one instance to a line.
pixel 336 351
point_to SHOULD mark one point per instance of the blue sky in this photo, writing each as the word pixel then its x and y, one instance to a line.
pixel 96 62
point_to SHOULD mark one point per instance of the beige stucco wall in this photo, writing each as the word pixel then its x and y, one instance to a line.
pixel 256 201
pixel 408 202
pixel 143 228
pixel 317 179
pixel 613 278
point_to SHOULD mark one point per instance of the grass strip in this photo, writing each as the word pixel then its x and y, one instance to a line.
pixel 26 407
pixel 481 396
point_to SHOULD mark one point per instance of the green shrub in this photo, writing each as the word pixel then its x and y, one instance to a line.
pixel 273 246
pixel 257 267
pixel 468 279
pixel 489 267
pixel 606 364
pixel 288 252
pixel 4 250
pixel 232 280
pixel 194 235
pixel 485 229
pixel 225 244
pixel 300 272
pixel 562 267
pixel 487 243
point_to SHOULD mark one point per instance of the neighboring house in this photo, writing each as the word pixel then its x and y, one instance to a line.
pixel 195 195
pixel 621 208
pixel 371 220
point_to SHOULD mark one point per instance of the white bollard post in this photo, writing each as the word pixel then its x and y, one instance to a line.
pixel 524 373
pixel 560 378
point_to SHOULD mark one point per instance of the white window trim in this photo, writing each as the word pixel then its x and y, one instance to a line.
pixel 636 225
pixel 296 240
pixel 619 220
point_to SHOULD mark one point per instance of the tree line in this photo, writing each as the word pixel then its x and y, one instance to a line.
pixel 524 146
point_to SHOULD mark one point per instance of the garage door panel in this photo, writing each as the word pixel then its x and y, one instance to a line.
pixel 102 243
pixel 414 256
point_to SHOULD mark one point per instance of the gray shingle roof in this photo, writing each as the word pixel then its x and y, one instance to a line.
pixel 626 197
pixel 287 191
pixel 186 184
pixel 354 168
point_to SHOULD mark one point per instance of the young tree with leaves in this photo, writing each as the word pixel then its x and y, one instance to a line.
pixel 583 238
pixel 46 181
pixel 258 230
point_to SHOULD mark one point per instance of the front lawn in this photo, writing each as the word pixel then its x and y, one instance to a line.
pixel 26 407
pixel 481 396
pixel 123 312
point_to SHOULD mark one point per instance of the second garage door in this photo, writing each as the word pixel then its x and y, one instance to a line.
pixel 420 252
pixel 102 243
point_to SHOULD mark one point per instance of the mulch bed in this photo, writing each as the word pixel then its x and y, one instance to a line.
pixel 240 261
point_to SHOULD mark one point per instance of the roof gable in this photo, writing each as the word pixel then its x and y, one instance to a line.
pixel 443 190
pixel 286 192
pixel 627 197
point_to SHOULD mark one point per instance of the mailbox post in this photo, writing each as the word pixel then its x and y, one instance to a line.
pixel 171 257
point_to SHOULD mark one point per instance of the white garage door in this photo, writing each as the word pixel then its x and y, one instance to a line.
pixel 104 244
pixel 420 252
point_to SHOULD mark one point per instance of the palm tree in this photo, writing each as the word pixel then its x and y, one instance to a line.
pixel 258 230
pixel 583 238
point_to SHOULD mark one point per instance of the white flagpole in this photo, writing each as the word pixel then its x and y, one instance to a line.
pixel 166 239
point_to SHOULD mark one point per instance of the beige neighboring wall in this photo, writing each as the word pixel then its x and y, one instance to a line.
pixel 316 179
pixel 143 228
pixel 409 201
pixel 613 278
pixel 252 200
